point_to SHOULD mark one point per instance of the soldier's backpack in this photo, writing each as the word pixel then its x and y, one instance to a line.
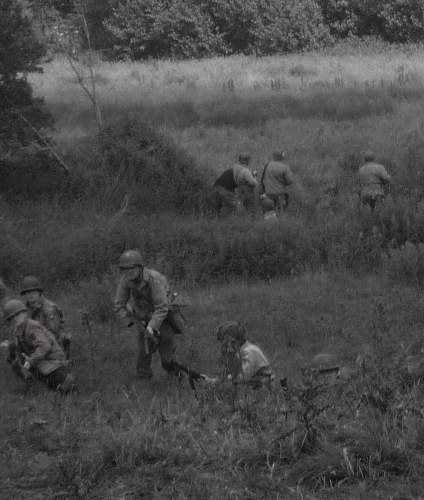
pixel 176 316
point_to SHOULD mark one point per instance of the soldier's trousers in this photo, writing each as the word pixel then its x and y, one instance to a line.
pixel 166 348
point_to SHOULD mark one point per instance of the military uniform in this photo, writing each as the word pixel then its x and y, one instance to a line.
pixel 234 188
pixel 145 302
pixel 41 350
pixel 277 176
pixel 51 317
pixel 243 361
pixel 372 179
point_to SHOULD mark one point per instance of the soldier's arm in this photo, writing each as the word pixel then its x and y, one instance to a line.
pixel 247 366
pixel 288 177
pixel 121 298
pixel 248 178
pixel 384 176
pixel 41 346
pixel 159 290
pixel 54 319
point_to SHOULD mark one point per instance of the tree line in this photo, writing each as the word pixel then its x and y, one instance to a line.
pixel 140 29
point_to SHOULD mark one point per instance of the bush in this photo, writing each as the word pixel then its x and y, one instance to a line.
pixel 193 29
pixel 131 158
pixel 394 20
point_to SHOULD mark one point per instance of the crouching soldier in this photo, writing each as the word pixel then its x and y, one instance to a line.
pixel 143 299
pixel 243 361
pixel 36 352
pixel 45 311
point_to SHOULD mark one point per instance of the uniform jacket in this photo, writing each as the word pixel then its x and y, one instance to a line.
pixel 236 176
pixel 50 316
pixel 372 177
pixel 252 360
pixel 277 177
pixel 148 300
pixel 40 346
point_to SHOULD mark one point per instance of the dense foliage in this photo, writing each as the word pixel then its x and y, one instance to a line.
pixel 22 114
pixel 191 28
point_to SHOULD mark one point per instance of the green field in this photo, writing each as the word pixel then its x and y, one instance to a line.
pixel 326 277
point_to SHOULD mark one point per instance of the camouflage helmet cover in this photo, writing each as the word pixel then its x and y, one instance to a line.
pixel 231 329
pixel 325 362
pixel 130 259
pixel 12 308
pixel 31 283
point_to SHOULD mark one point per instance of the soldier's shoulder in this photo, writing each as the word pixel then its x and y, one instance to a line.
pixel 151 275
pixel 50 306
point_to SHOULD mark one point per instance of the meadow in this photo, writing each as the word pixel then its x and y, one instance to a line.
pixel 327 276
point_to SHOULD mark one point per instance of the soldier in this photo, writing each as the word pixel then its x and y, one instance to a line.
pixel 373 178
pixel 243 361
pixel 45 311
pixel 276 177
pixel 235 187
pixel 36 352
pixel 143 298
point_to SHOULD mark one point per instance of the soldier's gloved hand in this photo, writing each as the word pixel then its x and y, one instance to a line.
pixel 27 365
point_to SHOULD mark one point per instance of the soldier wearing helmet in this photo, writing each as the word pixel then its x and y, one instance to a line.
pixel 36 352
pixel 243 361
pixel 373 178
pixel 235 187
pixel 276 177
pixel 143 299
pixel 45 311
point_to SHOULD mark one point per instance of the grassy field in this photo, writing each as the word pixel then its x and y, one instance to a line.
pixel 120 439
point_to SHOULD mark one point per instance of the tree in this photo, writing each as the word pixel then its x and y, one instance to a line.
pixel 20 52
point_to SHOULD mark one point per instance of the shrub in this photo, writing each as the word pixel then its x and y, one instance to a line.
pixel 163 29
pixel 131 158
pixel 194 29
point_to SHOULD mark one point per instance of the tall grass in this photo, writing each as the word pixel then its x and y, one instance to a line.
pixel 120 438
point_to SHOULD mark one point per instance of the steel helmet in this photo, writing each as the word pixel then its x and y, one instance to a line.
pixel 325 362
pixel 244 158
pixel 267 204
pixel 278 155
pixel 31 283
pixel 12 308
pixel 369 156
pixel 231 329
pixel 130 259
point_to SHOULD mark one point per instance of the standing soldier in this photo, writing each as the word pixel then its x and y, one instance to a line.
pixel 276 177
pixel 36 352
pixel 45 311
pixel 373 178
pixel 143 298
pixel 244 362
pixel 235 187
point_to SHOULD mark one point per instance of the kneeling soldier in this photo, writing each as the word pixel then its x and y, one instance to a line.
pixel 36 352
pixel 143 299
pixel 244 362
pixel 45 311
